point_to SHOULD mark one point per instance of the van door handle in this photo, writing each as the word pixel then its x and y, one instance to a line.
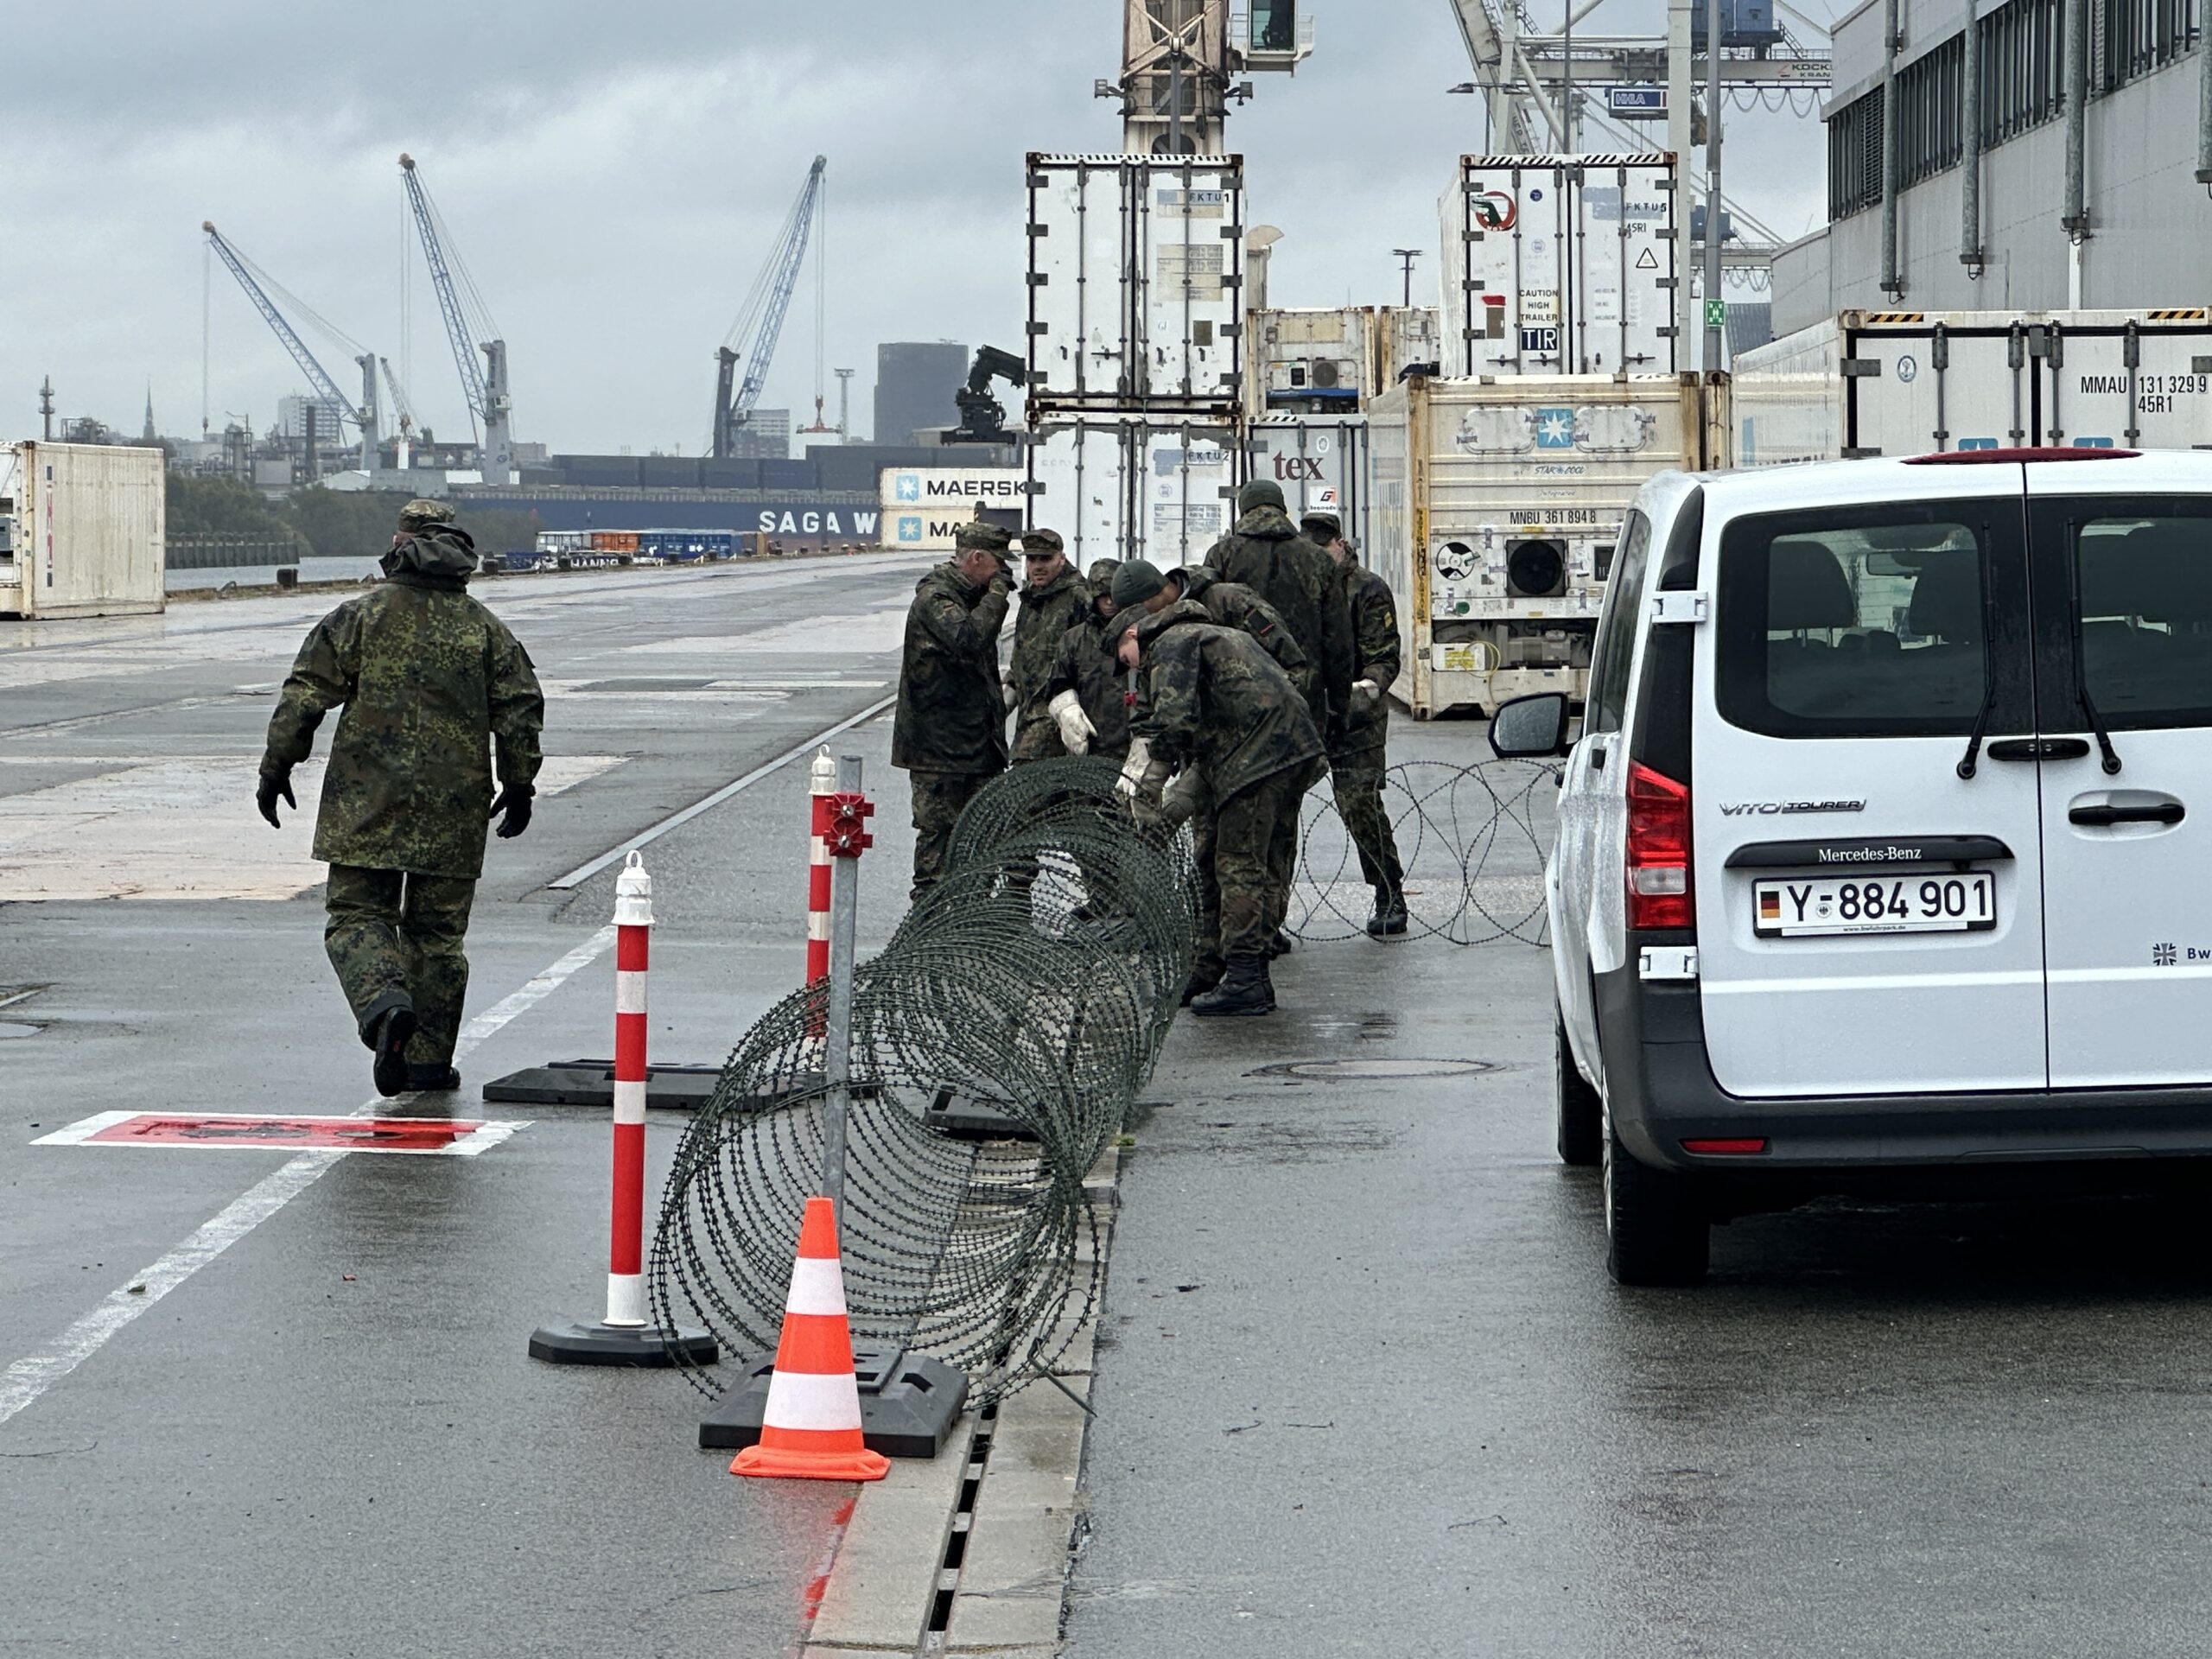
pixel 2100 815
pixel 2038 748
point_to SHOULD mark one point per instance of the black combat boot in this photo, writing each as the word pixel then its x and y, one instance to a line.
pixel 1279 945
pixel 1390 917
pixel 1203 978
pixel 387 1042
pixel 431 1079
pixel 1243 989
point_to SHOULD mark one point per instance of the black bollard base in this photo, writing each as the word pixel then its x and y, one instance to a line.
pixel 594 1343
pixel 908 1403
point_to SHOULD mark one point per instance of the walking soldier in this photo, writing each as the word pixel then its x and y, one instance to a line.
pixel 431 684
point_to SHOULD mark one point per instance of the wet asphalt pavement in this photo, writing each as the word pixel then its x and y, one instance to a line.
pixel 329 1438
pixel 1362 1386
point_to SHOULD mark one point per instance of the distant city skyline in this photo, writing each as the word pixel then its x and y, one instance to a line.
pixel 615 192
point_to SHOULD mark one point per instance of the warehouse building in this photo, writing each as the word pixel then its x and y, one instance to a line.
pixel 2049 157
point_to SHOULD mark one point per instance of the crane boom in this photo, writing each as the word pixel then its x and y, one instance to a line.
pixel 326 389
pixel 762 321
pixel 484 387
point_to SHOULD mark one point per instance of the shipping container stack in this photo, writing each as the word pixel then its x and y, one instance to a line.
pixel 1499 483
pixel 1135 351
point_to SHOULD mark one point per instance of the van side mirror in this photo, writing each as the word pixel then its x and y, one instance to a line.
pixel 1530 729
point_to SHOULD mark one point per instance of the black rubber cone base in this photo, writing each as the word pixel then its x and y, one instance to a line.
pixel 908 1403
pixel 594 1343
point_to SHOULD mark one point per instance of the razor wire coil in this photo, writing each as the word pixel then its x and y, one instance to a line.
pixel 1037 980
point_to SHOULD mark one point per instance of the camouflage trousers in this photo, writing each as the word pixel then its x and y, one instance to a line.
pixel 1358 781
pixel 1247 857
pixel 396 939
pixel 1037 737
pixel 937 799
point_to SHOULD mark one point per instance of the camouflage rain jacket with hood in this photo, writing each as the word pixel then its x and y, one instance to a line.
pixel 1085 665
pixel 1265 553
pixel 1376 656
pixel 1048 614
pixel 1234 606
pixel 1214 700
pixel 427 681
pixel 952 718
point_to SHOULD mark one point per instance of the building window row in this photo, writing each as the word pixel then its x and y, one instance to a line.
pixel 2022 86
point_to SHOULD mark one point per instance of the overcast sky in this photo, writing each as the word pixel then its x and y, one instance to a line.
pixel 614 174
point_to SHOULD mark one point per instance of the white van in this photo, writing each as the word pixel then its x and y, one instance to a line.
pixel 1877 848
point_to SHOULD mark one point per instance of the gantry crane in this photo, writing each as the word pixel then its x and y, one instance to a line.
pixel 257 281
pixel 761 321
pixel 470 328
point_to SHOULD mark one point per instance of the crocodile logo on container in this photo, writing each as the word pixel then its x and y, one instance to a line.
pixel 1495 210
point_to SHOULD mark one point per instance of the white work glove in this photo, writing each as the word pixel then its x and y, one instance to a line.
pixel 1076 729
pixel 1013 697
pixel 1142 775
pixel 1365 694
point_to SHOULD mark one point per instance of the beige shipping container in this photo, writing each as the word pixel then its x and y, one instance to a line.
pixel 1497 507
pixel 82 528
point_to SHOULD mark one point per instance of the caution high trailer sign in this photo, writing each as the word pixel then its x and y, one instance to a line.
pixel 1557 264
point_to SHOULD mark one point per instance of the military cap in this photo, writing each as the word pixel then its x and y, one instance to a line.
pixel 1041 540
pixel 1323 527
pixel 1100 574
pixel 421 514
pixel 1125 617
pixel 989 538
pixel 1135 582
pixel 1261 493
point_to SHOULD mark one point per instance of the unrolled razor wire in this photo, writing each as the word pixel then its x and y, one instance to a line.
pixel 1036 980
pixel 1472 840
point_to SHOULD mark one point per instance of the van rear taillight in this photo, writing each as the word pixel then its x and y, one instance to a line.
pixel 1658 850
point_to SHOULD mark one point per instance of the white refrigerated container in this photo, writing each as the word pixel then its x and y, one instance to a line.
pixel 1136 283
pixel 1557 264
pixel 1907 382
pixel 82 530
pixel 1310 360
pixel 1320 460
pixel 1495 510
pixel 1130 487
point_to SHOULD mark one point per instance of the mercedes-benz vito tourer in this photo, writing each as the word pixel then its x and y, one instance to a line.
pixel 1888 837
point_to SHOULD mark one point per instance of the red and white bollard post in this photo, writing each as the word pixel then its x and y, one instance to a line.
pixel 822 788
pixel 627 1336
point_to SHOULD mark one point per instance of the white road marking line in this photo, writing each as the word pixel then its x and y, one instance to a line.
pixel 31 1376
pixel 584 873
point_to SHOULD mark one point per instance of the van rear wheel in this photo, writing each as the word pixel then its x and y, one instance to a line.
pixel 1657 1232
pixel 1582 1109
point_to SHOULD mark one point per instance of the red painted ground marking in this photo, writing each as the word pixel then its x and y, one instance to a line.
pixel 259 1132
pixel 818 1586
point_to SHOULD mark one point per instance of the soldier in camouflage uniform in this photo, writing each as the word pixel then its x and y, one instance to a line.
pixel 1053 600
pixel 1232 604
pixel 1088 694
pixel 429 681
pixel 1217 705
pixel 1265 553
pixel 1357 756
pixel 949 733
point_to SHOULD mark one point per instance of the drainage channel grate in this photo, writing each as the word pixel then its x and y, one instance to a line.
pixel 956 1541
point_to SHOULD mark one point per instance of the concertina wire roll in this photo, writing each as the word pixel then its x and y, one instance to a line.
pixel 1038 979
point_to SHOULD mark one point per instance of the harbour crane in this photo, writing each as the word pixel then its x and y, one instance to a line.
pixel 470 328
pixel 257 283
pixel 762 320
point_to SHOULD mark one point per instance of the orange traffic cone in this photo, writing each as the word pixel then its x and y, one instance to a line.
pixel 811 1429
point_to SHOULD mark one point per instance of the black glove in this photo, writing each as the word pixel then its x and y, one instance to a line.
pixel 514 801
pixel 275 785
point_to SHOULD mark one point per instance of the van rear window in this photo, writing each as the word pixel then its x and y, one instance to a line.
pixel 2144 588
pixel 1852 624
